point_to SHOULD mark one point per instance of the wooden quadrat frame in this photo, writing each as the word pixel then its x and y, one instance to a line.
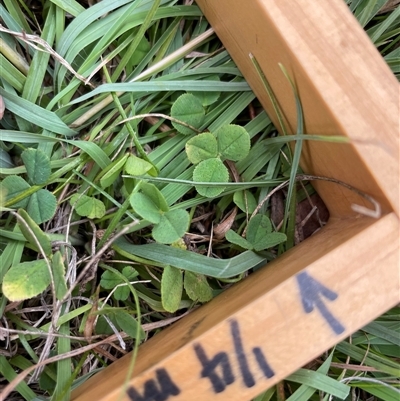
pixel 286 314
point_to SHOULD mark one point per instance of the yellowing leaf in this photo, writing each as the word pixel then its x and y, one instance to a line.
pixel 197 287
pixel 26 280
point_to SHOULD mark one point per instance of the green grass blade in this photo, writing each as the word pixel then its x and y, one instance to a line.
pixel 62 391
pixel 35 114
pixel 8 373
pixel 304 392
pixel 11 74
pixel 379 330
pixel 190 261
pixel 70 6
pixel 38 66
pixel 270 93
pixel 320 382
pixel 394 16
pixel 138 37
pixel 161 85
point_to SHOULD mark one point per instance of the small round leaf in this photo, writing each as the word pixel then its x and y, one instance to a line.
pixel 245 201
pixel 201 147
pixel 172 226
pixel 187 108
pixel 197 287
pixel 259 233
pixel 233 142
pixel 259 226
pixel 12 186
pixel 210 170
pixel 171 288
pixel 145 207
pixel 129 324
pixel 42 206
pixel 26 280
pixel 86 206
pixel 236 239
pixel 37 165
pixel 137 166
pixel 208 98
pixel 153 193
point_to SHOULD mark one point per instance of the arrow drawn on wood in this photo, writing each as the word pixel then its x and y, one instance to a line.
pixel 311 292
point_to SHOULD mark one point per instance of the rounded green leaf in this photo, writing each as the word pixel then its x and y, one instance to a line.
pixel 137 166
pixel 42 206
pixel 236 239
pixel 86 206
pixel 187 108
pixel 245 201
pixel 26 280
pixel 37 165
pixel 172 226
pixel 233 142
pixel 13 185
pixel 110 280
pixel 210 170
pixel 145 207
pixel 201 147
pixel 208 98
pixel 270 240
pixel 171 288
pixel 152 192
pixel 128 324
pixel 197 287
pixel 259 233
pixel 259 226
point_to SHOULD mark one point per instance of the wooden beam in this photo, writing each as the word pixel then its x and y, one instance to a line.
pixel 345 87
pixel 276 320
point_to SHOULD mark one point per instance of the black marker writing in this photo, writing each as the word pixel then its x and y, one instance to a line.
pixel 241 356
pixel 222 378
pixel 311 292
pixel 209 368
pixel 262 362
pixel 159 389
